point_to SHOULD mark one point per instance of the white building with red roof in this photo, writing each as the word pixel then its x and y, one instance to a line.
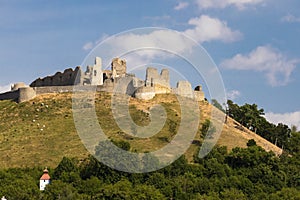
pixel 44 180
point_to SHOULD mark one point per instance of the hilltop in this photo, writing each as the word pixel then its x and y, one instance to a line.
pixel 41 131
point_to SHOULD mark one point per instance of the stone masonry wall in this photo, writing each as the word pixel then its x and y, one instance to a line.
pixel 118 68
pixel 11 95
pixel 160 82
pixel 53 89
pixel 26 94
pixel 68 77
pixel 184 89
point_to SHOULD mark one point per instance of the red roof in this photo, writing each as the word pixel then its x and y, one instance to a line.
pixel 45 176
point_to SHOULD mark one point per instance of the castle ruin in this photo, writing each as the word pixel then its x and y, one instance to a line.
pixel 104 80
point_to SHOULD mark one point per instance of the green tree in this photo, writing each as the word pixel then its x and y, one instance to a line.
pixel 146 192
pixel 251 143
pixel 92 187
pixel 60 190
pixel 207 128
pixel 215 103
pixel 232 194
pixel 66 165
pixel 286 193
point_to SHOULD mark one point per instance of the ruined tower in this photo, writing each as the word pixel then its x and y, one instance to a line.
pixel 93 74
pixel 160 82
pixel 118 68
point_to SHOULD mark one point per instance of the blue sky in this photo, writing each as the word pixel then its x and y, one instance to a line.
pixel 254 43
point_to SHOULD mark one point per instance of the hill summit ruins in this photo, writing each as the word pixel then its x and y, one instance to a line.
pixel 104 80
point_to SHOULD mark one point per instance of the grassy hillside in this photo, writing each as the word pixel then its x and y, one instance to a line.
pixel 40 132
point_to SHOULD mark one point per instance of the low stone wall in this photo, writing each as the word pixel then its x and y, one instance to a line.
pixel 53 89
pixel 145 93
pixel 11 95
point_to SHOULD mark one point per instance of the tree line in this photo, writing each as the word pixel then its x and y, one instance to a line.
pixel 252 117
pixel 243 173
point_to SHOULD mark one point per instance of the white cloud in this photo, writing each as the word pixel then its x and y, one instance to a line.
pixel 207 29
pixel 161 39
pixel 158 18
pixel 240 4
pixel 276 66
pixel 233 94
pixel 181 5
pixel 88 46
pixel 290 18
pixel 289 119
pixel 204 29
pixel 5 88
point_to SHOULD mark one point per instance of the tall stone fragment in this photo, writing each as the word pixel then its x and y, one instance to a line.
pixel 184 89
pixel 160 82
pixel 199 94
pixel 118 68
pixel 93 74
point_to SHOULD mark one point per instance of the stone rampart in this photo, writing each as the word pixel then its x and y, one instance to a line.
pixel 199 94
pixel 118 68
pixel 68 77
pixel 53 89
pixel 160 82
pixel 26 94
pixel 145 93
pixel 184 89
pixel 11 95
pixel 114 80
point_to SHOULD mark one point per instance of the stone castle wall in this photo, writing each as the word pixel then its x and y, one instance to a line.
pixel 199 94
pixel 145 93
pixel 160 82
pixel 26 94
pixel 184 89
pixel 53 89
pixel 11 95
pixel 93 74
pixel 114 80
pixel 118 68
pixel 68 77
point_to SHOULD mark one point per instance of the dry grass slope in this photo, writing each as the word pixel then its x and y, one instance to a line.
pixel 40 132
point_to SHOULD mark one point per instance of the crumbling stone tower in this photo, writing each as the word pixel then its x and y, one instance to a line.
pixel 160 82
pixel 93 74
pixel 118 68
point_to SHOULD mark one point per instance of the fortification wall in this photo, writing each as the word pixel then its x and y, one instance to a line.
pixel 19 95
pixel 116 80
pixel 199 94
pixel 26 93
pixel 68 77
pixel 53 89
pixel 11 95
pixel 93 74
pixel 145 93
pixel 118 68
pixel 184 89
pixel 160 82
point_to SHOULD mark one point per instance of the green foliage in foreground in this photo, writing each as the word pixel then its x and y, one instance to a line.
pixel 250 173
